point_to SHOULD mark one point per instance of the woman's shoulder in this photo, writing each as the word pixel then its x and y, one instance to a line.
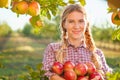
pixel 99 51
pixel 54 45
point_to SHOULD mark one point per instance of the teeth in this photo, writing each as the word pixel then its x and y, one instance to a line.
pixel 76 31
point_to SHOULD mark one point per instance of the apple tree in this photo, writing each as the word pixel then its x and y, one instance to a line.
pixel 38 8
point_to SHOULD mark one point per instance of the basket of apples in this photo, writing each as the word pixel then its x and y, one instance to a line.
pixel 81 71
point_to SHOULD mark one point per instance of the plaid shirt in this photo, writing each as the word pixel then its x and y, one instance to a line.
pixel 75 55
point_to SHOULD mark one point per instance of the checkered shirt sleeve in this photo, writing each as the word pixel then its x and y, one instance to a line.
pixel 48 60
pixel 105 66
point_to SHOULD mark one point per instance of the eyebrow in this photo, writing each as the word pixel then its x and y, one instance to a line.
pixel 79 19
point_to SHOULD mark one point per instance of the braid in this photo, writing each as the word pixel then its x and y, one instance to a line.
pixel 91 46
pixel 60 54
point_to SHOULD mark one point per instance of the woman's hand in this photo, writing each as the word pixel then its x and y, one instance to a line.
pixel 56 77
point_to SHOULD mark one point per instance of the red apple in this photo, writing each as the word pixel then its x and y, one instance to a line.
pixel 83 78
pixel 36 22
pixel 96 76
pixel 81 69
pixel 70 75
pixel 57 68
pixel 68 65
pixel 34 8
pixel 14 6
pixel 91 67
pixel 20 7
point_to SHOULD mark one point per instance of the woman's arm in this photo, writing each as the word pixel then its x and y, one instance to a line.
pixel 48 60
pixel 105 67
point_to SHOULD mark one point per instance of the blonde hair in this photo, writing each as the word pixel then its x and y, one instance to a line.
pixel 60 54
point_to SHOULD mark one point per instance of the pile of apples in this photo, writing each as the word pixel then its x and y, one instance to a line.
pixel 80 71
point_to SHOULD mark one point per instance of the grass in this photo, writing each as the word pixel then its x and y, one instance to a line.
pixel 18 51
pixel 111 53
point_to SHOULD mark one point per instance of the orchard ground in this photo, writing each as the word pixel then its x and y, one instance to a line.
pixel 17 51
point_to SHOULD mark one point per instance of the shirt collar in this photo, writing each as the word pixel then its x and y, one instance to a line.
pixel 81 45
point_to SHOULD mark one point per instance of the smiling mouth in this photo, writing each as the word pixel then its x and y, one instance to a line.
pixel 76 32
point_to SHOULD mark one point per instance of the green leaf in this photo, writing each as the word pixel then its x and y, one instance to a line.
pixel 54 11
pixel 29 68
pixel 42 72
pixel 36 30
pixel 48 15
pixel 34 74
pixel 83 2
pixel 118 34
pixel 71 1
pixel 43 11
pixel 25 77
pixel 61 3
pixel 110 10
pixel 39 66
pixel 115 34
pixel 1 65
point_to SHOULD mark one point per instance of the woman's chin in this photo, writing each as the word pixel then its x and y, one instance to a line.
pixel 76 37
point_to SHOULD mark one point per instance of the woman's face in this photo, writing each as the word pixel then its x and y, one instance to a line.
pixel 75 25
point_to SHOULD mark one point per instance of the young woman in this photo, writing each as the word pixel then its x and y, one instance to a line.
pixel 76 44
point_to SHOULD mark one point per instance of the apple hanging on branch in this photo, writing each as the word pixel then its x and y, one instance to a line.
pixel 114 8
pixel 36 22
pixel 116 17
pixel 33 8
pixel 20 7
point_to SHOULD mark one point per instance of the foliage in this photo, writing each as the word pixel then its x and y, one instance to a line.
pixel 37 74
pixel 98 32
pixel 114 76
pixel 5 30
pixel 27 29
pixel 115 65
pixel 116 34
pixel 47 31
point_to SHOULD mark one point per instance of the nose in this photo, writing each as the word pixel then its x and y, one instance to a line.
pixel 77 25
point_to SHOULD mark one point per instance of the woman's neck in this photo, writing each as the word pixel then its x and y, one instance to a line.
pixel 75 42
